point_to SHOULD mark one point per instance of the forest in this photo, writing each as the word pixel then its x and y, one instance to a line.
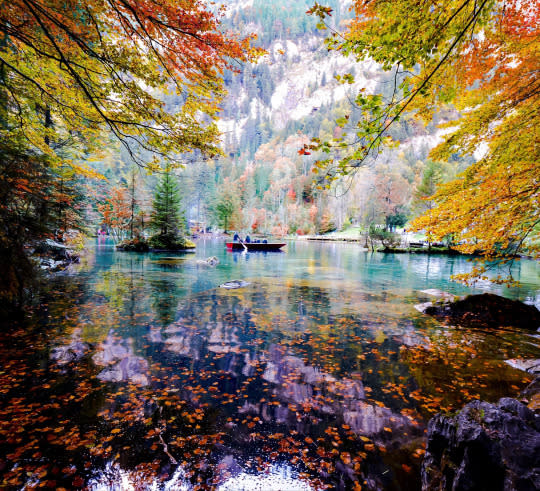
pixel 391 149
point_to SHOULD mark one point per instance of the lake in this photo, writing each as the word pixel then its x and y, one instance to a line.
pixel 139 372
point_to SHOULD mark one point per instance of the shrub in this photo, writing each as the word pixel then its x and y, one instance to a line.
pixel 136 244
pixel 170 241
pixel 386 238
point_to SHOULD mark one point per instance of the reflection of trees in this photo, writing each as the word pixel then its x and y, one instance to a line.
pixel 476 365
pixel 165 294
pixel 247 374
pixel 115 287
pixel 234 379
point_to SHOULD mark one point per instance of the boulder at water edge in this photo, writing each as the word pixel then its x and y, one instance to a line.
pixel 491 447
pixel 486 310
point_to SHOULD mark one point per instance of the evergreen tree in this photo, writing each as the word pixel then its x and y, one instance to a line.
pixel 167 218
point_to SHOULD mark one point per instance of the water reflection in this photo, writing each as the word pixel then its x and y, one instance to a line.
pixel 151 376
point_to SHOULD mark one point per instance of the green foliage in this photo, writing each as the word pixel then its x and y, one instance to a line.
pixel 398 219
pixel 433 175
pixel 346 224
pixel 226 206
pixel 170 242
pixel 37 201
pixel 166 215
pixel 386 238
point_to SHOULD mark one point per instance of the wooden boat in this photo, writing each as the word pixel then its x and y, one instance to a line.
pixel 254 246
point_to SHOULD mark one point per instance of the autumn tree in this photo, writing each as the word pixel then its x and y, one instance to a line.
pixel 482 57
pixel 71 69
pixel 116 212
pixel 75 73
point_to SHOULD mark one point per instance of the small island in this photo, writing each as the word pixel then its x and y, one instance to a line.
pixel 167 220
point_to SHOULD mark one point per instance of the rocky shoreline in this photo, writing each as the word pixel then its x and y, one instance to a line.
pixel 54 256
pixel 486 446
pixel 482 311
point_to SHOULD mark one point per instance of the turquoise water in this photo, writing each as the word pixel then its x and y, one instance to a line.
pixel 140 372
pixel 334 265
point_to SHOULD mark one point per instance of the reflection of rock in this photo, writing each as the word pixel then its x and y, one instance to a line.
pixel 283 368
pixel 486 446
pixel 122 364
pixel 185 342
pixel 155 335
pixel 71 352
pixel 487 310
pixel 183 345
pixel 367 419
pixel 223 335
pixel 310 389
pixel 531 366
pixel 297 383
pixel 130 368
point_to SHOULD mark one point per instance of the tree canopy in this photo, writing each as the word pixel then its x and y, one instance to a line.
pixel 73 73
pixel 71 69
pixel 481 57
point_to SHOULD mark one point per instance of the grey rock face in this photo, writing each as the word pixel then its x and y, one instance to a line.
pixel 54 256
pixel 485 447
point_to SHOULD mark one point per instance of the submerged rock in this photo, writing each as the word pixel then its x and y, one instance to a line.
pixel 485 447
pixel 435 292
pixel 486 310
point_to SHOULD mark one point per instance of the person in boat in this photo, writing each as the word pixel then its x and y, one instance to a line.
pixel 236 237
pixel 248 239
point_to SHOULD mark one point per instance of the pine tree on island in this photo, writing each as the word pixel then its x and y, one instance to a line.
pixel 167 218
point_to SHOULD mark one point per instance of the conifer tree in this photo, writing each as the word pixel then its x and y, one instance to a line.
pixel 167 218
